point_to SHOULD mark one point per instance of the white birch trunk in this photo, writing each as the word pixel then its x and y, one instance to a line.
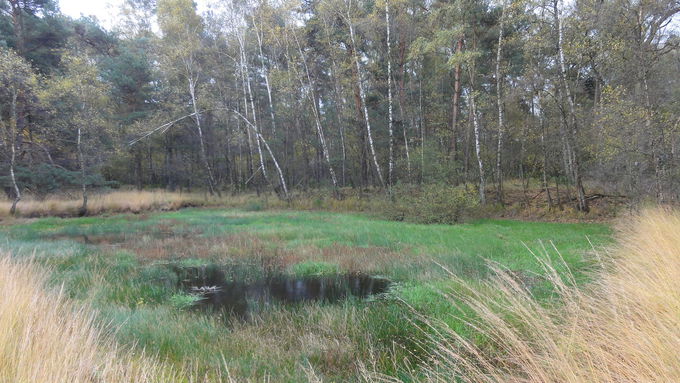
pixel 249 139
pixel 317 118
pixel 199 129
pixel 12 143
pixel 269 150
pixel 422 130
pixel 499 100
pixel 338 100
pixel 81 160
pixel 362 94
pixel 265 73
pixel 246 79
pixel 478 144
pixel 572 126
pixel 390 172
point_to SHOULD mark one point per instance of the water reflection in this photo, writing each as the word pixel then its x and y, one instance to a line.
pixel 241 298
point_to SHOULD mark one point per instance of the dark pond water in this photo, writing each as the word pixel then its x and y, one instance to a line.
pixel 241 298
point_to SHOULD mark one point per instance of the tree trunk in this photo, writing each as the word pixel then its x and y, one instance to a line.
pixel 337 100
pixel 12 163
pixel 478 150
pixel 265 73
pixel 402 101
pixel 362 94
pixel 83 182
pixel 317 120
pixel 249 97
pixel 422 130
pixel 572 130
pixel 499 101
pixel 544 150
pixel 455 107
pixel 478 145
pixel 404 130
pixel 390 172
pixel 197 117
pixel 271 154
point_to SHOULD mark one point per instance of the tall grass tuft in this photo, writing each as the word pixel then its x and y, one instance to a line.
pixel 113 202
pixel 623 327
pixel 44 339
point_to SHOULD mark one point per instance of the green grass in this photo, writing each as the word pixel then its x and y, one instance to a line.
pixel 138 296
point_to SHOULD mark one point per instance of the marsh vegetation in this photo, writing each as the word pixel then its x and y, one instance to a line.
pixel 137 273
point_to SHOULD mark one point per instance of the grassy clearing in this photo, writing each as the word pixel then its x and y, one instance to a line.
pixel 118 266
pixel 622 327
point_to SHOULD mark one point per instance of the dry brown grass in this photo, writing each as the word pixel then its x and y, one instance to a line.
pixel 114 202
pixel 44 339
pixel 624 327
pixel 270 253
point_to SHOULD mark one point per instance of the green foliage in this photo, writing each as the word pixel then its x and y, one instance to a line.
pixel 182 301
pixel 45 179
pixel 435 203
pixel 314 268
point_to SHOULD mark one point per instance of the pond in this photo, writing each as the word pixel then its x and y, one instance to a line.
pixel 240 298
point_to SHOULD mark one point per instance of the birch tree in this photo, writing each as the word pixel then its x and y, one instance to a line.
pixel 80 102
pixel 362 93
pixel 182 29
pixel 571 123
pixel 317 119
pixel 16 77
pixel 390 174
pixel 499 102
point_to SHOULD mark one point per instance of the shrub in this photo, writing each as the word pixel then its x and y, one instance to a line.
pixel 435 203
pixel 45 179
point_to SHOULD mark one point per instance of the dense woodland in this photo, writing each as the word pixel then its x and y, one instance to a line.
pixel 288 95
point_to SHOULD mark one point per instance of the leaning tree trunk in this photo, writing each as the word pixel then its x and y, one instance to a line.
pixel 317 120
pixel 246 79
pixel 362 94
pixel 204 156
pixel 13 156
pixel 269 150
